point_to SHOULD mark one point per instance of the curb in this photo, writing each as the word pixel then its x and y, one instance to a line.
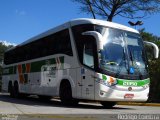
pixel 139 104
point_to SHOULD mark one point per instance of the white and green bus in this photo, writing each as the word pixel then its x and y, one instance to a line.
pixel 83 59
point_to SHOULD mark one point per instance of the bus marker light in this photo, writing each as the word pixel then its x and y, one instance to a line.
pixel 128 96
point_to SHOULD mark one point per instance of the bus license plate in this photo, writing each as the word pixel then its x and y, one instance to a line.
pixel 128 96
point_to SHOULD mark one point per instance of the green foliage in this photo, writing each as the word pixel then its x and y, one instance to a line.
pixel 154 67
pixel 3 48
pixel 149 37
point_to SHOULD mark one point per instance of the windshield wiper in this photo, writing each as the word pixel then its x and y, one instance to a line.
pixel 121 63
pixel 131 56
pixel 134 64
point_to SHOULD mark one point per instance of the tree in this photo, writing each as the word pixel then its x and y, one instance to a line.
pixel 108 9
pixel 3 48
pixel 154 68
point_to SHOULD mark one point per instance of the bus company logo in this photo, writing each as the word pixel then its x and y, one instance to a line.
pixel 126 83
pixel 23 71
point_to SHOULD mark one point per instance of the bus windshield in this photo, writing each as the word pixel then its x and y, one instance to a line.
pixel 123 54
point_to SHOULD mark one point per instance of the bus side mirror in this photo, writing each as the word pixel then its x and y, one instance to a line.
pixel 155 48
pixel 98 38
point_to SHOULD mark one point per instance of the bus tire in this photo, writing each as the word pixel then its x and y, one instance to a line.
pixel 16 90
pixel 108 104
pixel 10 89
pixel 66 94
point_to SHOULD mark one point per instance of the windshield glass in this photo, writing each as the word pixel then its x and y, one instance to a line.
pixel 123 53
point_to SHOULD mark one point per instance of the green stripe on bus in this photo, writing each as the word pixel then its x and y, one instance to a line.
pixel 14 69
pixel 8 70
pixel 23 68
pixel 104 77
pixel 133 82
pixel 35 66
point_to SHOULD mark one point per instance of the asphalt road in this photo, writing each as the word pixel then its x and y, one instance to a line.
pixel 32 108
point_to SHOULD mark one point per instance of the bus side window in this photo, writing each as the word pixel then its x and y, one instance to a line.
pixel 88 53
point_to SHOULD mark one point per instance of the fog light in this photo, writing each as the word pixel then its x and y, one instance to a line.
pixel 101 93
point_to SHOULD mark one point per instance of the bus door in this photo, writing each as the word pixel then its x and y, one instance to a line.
pixel 87 80
pixel 86 71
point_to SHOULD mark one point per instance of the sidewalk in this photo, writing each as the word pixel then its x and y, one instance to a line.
pixel 139 104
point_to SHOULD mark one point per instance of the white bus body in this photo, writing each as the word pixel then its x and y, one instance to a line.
pixel 79 60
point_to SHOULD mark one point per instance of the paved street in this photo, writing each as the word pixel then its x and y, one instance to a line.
pixel 34 108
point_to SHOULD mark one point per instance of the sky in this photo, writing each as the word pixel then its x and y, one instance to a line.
pixel 24 19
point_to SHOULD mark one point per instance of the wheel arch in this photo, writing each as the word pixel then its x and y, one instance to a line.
pixel 9 84
pixel 16 82
pixel 72 85
pixel 64 81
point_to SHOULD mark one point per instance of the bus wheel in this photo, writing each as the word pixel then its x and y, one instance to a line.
pixel 16 90
pixel 10 89
pixel 66 94
pixel 108 104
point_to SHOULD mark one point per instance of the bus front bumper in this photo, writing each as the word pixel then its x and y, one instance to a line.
pixel 116 93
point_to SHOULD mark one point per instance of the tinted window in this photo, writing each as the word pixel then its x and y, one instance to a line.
pixel 86 45
pixel 58 43
pixel 88 53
